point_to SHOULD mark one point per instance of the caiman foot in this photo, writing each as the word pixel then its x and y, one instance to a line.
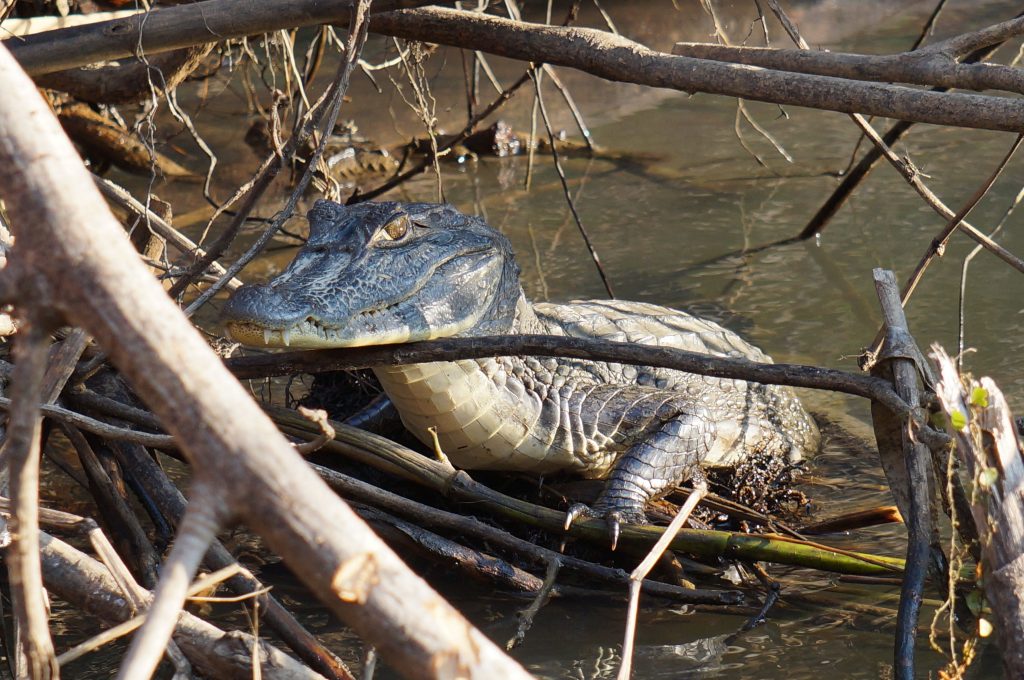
pixel 614 517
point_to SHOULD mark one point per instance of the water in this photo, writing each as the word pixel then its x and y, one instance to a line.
pixel 664 225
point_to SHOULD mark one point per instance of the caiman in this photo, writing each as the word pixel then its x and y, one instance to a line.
pixel 379 273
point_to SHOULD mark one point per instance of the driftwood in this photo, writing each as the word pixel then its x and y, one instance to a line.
pixel 258 477
pixel 906 464
pixel 988 447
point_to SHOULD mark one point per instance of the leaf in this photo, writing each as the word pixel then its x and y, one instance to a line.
pixel 975 601
pixel 979 397
pixel 988 477
pixel 958 419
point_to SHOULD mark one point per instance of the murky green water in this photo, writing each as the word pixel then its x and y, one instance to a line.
pixel 664 228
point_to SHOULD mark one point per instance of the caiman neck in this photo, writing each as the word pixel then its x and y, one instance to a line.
pixel 479 422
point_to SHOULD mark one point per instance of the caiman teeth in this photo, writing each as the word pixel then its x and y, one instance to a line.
pixel 267 335
pixel 285 336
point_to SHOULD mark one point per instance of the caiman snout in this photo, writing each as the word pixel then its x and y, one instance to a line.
pixel 255 312
pixel 254 302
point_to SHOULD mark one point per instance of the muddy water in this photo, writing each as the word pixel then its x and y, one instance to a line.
pixel 668 215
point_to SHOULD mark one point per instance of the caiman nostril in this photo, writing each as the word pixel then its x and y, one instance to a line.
pixel 252 302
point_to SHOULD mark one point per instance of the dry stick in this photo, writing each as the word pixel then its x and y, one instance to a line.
pixel 938 244
pixel 123 198
pixel 171 505
pixel 922 67
pixel 565 190
pixel 350 487
pixel 700 489
pixel 175 27
pixel 916 459
pixel 474 562
pixel 21 457
pixel 115 510
pixel 527 615
pixel 197 531
pixel 318 416
pixel 83 582
pixel 158 441
pixel 452 349
pixel 332 107
pixel 222 431
pixel 133 592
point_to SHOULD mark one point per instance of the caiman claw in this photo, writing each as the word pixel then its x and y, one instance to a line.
pixel 613 518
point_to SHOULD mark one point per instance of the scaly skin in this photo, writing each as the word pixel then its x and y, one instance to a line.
pixel 381 273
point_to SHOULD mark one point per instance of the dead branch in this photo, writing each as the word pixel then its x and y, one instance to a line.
pixel 21 462
pixel 85 583
pixel 619 59
pixel 177 27
pixel 987 444
pixel 405 463
pixel 906 464
pixel 795 375
pixel 128 81
pixel 222 431
pixel 921 67
pixel 109 142
pixel 123 198
pixel 350 487
pixel 597 52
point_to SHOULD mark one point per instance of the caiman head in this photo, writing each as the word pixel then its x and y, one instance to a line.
pixel 379 273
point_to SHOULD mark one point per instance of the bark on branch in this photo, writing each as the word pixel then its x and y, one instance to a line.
pixel 178 27
pixel 795 375
pixel 922 67
pixel 66 233
pixel 603 54
pixel 616 58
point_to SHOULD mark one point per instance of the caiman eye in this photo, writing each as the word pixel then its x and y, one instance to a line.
pixel 397 228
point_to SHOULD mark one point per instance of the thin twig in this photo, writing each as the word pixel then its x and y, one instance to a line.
pixel 527 615
pixel 21 456
pixel 568 195
pixel 336 95
pixel 700 489
pixel 197 530
pixel 938 244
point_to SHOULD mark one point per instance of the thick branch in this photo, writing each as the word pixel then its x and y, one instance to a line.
pixel 918 68
pixel 795 375
pixel 616 58
pixel 602 54
pixel 176 27
pixel 70 238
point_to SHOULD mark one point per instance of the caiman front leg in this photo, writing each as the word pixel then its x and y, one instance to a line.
pixel 666 453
